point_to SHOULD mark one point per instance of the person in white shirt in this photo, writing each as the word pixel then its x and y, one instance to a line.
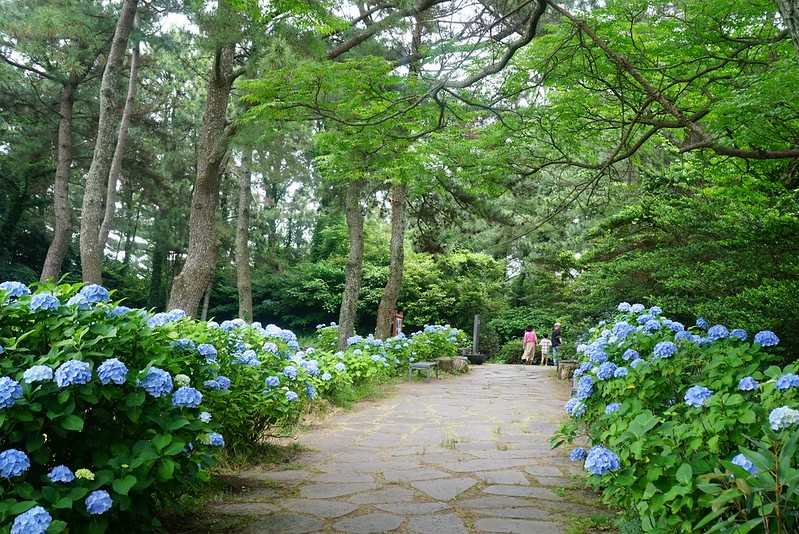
pixel 546 344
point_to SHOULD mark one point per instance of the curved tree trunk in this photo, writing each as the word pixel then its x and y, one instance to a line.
pixel 119 151
pixel 243 275
pixel 91 250
pixel 354 268
pixel 189 286
pixel 388 302
pixel 789 11
pixel 62 233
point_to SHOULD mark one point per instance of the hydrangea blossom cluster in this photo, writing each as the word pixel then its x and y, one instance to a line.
pixel 577 454
pixel 207 351
pixel 10 392
pixel 652 325
pixel 156 382
pixel 611 408
pixel 15 289
pixel 739 334
pixel 601 461
pixel 13 463
pixel 214 439
pixel 623 329
pixel 62 474
pixel 766 338
pixel 744 463
pixel 270 348
pixel 160 319
pixel 326 376
pixel 575 407
pixel 79 301
pixel 291 396
pixel 606 370
pixel 748 384
pixel 637 308
pixel 701 322
pixel 94 293
pixel 783 417
pixel 636 363
pixel 43 302
pixel 585 386
pixel 184 344
pixel 34 521
pixel 119 311
pixel 697 396
pixel 112 370
pixel 248 357
pixel 787 381
pixel 674 326
pixel 717 332
pixel 205 417
pixel 220 383
pixel 98 502
pixel 340 367
pixel 620 372
pixel 272 381
pixel 72 372
pixel 664 349
pixel 290 372
pixel 187 397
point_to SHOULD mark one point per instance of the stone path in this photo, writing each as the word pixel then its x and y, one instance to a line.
pixel 465 454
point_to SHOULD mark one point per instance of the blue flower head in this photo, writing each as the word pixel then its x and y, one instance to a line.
pixel 684 335
pixel 215 439
pixel 44 302
pixel 623 307
pixel 629 354
pixel 220 383
pixel 112 370
pixel 290 372
pixel 310 391
pixel 787 381
pixel 10 392
pixel 597 355
pixel 61 473
pixel 779 419
pixel 98 502
pixel 643 319
pixel 744 463
pixel 620 372
pixel 186 397
pixel 73 372
pixel 94 293
pixel 248 357
pixel 79 301
pixel 575 407
pixel 119 311
pixel 312 366
pixel 606 370
pixel 207 351
pixel 272 381
pixel 701 322
pixel 637 308
pixel 766 338
pixel 636 363
pixel 13 463
pixel 664 349
pixel 326 376
pixel 696 396
pixel 156 382
pixel 748 384
pixel 205 417
pixel 718 332
pixel 612 408
pixel 270 348
pixel 653 325
pixel 675 326
pixel 585 386
pixel 34 521
pixel 655 310
pixel 601 461
pixel 622 329
pixel 340 367
pixel 184 343
pixel 739 334
pixel 577 454
pixel 291 396
pixel 15 289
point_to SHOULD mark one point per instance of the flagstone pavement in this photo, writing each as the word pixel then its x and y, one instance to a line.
pixel 461 455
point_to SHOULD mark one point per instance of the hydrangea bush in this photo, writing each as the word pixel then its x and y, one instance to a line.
pixel 697 434
pixel 106 411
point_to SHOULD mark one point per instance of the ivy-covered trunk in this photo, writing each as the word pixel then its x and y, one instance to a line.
pixel 91 250
pixel 789 11
pixel 388 302
pixel 354 268
pixel 62 227
pixel 243 274
pixel 189 286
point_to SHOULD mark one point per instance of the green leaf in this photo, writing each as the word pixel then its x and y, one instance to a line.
pixel 72 422
pixel 22 506
pixel 135 399
pixel 63 503
pixel 684 474
pixel 162 440
pixel 177 423
pixel 166 469
pixel 123 485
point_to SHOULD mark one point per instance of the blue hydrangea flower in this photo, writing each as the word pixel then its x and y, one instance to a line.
pixel 748 384
pixel 207 351
pixel 586 366
pixel 98 502
pixel 629 354
pixel 248 357
pixel 2 350
pixel 787 381
pixel 684 335
pixel 220 383
pixel 352 340
pixel 718 332
pixel 176 314
pixel 215 439
pixel 606 370
pixel 326 376
pixel 95 293
pixel 79 301
pixel 613 407
pixel 156 382
pixel 664 349
pixel 779 418
pixel 623 307
pixel 186 397
pixel 270 348
pixel 290 372
pixel 597 355
pixel 72 372
pixel 585 386
pixel 291 396
pixel 158 319
pixel 743 462
pixel 701 322
pixel 578 454
pixel 653 325
pixel 61 473
pixel 643 319
pixel 655 310
pixel 739 333
pixel 312 366
pixel 10 392
pixel 620 372
pixel 13 463
pixel 34 521
pixel 310 391
pixel 674 326
pixel 184 344
pixel 601 461
pixel 622 329
pixel 112 370
pixel 119 311
pixel 575 407
pixel 637 308
pixel 696 396
pixel 636 363
pixel 44 302
pixel 340 367
pixel 272 381
pixel 766 338
pixel 205 417
pixel 15 289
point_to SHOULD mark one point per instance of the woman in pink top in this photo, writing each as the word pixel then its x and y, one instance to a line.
pixel 529 341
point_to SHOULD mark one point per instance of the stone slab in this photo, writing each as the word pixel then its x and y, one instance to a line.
pixel 327 508
pixel 412 508
pixel 285 524
pixel 523 491
pixel 444 489
pixel 503 477
pixel 366 524
pixel 437 524
pixel 518 526
pixel 325 491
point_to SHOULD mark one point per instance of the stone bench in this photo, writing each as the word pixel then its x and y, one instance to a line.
pixel 422 366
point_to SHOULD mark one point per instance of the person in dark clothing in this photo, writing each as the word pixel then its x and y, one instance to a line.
pixel 556 342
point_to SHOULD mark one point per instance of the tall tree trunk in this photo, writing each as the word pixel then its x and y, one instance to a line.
pixel 91 250
pixel 130 239
pixel 206 301
pixel 243 275
pixel 354 268
pixel 388 302
pixel 789 11
pixel 62 229
pixel 159 261
pixel 119 151
pixel 189 286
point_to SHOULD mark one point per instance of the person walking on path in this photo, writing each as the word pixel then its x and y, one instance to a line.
pixel 556 343
pixel 529 342
pixel 545 345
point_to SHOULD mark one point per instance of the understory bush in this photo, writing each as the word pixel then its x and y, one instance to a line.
pixel 692 429
pixel 511 352
pixel 108 413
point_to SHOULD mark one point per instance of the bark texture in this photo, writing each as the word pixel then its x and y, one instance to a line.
pixel 388 302
pixel 119 151
pixel 789 11
pixel 243 274
pixel 62 233
pixel 354 268
pixel 91 250
pixel 195 277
